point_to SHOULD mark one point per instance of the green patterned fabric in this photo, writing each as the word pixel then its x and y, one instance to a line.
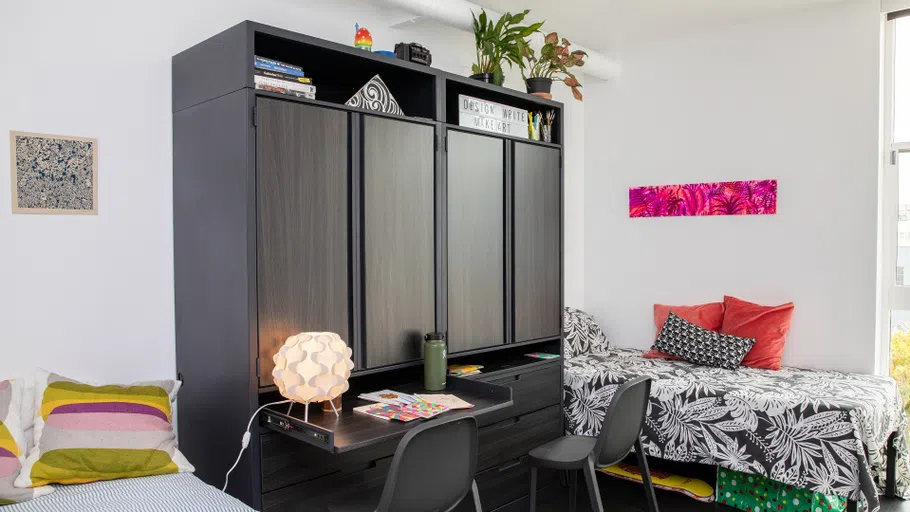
pixel 754 493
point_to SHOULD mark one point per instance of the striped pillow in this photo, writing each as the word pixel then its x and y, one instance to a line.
pixel 87 433
pixel 12 446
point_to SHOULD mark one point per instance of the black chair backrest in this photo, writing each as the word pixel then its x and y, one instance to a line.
pixel 623 421
pixel 433 467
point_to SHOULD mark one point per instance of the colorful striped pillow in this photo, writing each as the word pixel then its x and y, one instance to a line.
pixel 87 433
pixel 12 446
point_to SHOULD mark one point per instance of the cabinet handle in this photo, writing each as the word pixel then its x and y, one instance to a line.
pixel 518 377
pixel 514 464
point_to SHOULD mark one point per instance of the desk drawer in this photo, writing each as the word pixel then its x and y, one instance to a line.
pixel 287 461
pixel 531 391
pixel 339 487
pixel 514 437
pixel 506 483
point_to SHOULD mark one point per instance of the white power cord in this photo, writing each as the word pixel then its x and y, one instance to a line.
pixel 245 442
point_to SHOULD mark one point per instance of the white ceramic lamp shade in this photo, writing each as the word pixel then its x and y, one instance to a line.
pixel 313 367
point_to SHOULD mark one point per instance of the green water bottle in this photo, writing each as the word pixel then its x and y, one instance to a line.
pixel 434 362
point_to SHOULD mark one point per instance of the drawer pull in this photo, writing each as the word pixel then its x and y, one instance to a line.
pixel 507 467
pixel 518 377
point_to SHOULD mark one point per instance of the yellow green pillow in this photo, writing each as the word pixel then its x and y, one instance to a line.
pixel 86 433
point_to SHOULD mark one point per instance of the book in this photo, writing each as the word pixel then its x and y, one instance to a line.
pixel 450 401
pixel 284 90
pixel 276 65
pixel 385 412
pixel 387 396
pixel 282 76
pixel 422 409
pixel 464 369
pixel 543 355
pixel 292 86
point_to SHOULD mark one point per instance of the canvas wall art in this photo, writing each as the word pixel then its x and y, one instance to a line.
pixel 755 197
pixel 54 173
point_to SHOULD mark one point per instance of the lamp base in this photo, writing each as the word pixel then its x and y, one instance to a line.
pixel 332 405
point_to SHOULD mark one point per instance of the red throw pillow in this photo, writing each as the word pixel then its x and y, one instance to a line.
pixel 767 324
pixel 710 316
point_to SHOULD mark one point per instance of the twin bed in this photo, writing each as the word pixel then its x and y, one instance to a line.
pixel 828 432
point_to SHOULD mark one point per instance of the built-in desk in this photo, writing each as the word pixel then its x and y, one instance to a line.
pixel 352 431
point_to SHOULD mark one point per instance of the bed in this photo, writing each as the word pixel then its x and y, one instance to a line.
pixel 165 493
pixel 829 432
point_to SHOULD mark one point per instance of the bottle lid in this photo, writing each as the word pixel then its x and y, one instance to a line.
pixel 434 336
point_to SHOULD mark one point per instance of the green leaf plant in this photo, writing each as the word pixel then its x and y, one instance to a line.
pixel 500 41
pixel 554 62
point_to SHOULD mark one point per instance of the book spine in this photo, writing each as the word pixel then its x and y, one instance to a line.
pixel 281 76
pixel 273 65
pixel 274 62
pixel 294 86
pixel 284 90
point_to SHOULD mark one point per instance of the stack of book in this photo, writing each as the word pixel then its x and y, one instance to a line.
pixel 463 370
pixel 281 77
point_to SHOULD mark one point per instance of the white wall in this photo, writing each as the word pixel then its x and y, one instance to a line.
pixel 794 98
pixel 92 297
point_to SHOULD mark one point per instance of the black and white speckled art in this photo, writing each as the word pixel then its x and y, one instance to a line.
pixel 54 173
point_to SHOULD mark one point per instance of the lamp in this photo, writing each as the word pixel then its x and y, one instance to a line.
pixel 313 367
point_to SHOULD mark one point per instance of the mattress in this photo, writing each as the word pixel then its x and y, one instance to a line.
pixel 166 493
pixel 821 430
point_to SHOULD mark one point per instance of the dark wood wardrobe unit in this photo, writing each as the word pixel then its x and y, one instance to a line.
pixel 295 215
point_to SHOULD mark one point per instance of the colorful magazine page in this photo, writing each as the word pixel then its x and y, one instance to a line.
pixel 423 409
pixel 387 412
pixel 450 401
pixel 543 355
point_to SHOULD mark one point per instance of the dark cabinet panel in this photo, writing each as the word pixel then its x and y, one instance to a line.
pixel 398 245
pixel 537 242
pixel 476 262
pixel 302 198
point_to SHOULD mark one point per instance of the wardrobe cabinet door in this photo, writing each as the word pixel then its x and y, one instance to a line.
pixel 537 242
pixel 302 200
pixel 475 183
pixel 398 239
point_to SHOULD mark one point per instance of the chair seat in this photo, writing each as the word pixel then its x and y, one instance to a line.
pixel 568 452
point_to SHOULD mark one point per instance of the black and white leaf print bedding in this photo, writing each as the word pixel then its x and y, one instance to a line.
pixel 820 430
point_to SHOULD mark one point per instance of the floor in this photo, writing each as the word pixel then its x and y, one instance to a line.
pixel 621 496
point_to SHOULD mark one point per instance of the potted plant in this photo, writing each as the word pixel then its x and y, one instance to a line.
pixel 495 43
pixel 553 64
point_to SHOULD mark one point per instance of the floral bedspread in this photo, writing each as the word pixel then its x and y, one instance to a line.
pixel 820 430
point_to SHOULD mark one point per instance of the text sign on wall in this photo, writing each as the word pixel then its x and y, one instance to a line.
pixel 492 117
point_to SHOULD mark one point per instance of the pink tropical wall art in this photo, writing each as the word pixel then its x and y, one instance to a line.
pixel 754 197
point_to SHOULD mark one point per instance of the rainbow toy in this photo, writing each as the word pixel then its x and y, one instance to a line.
pixel 362 38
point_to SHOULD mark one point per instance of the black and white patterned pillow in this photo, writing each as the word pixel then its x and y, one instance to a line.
pixel 701 346
pixel 581 334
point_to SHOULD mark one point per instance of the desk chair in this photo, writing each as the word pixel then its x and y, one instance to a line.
pixel 432 470
pixel 619 433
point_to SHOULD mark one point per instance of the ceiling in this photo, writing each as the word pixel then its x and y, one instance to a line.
pixel 612 25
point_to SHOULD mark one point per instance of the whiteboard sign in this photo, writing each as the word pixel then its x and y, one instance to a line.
pixel 492 117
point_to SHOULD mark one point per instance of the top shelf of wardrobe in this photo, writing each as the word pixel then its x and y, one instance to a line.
pixel 224 63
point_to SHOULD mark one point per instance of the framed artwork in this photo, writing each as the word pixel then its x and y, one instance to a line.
pixel 754 197
pixel 54 174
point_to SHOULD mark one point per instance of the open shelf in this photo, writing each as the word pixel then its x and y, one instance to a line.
pixel 339 71
pixel 456 85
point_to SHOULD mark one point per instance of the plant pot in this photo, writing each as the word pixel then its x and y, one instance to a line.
pixel 539 85
pixel 483 77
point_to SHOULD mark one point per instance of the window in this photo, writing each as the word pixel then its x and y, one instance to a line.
pixel 895 205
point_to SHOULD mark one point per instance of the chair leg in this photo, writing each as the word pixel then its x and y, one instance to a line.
pixel 533 493
pixel 476 494
pixel 593 490
pixel 573 490
pixel 646 476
